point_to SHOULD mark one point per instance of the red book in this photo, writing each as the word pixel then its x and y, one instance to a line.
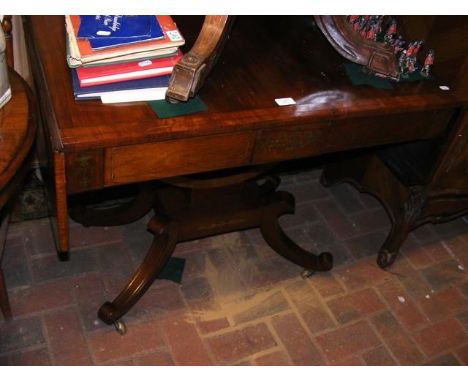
pixel 106 74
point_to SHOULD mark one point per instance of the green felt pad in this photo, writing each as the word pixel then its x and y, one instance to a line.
pixel 164 109
pixel 358 76
pixel 173 270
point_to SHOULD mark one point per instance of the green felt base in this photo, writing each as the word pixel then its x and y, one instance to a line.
pixel 173 270
pixel 359 75
pixel 164 109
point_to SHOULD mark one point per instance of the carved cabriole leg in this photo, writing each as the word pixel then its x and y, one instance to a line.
pixel 404 223
pixel 164 242
pixel 369 174
pixel 190 72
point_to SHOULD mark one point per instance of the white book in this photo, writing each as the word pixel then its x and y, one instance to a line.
pixel 136 95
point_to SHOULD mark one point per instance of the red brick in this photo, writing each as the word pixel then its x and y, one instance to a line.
pixel 243 363
pixel 311 309
pixel 296 341
pixel 162 298
pixel 397 340
pixel 273 359
pixel 413 282
pixel 108 345
pixel 371 220
pixel 38 238
pixel 463 288
pixel 437 251
pixel 458 248
pixel 347 198
pixel 444 274
pixel 305 212
pixel 378 357
pixel 40 297
pixel 326 284
pixel 355 305
pixel 362 274
pixel 159 358
pixel 265 273
pixel 347 341
pixel 21 333
pixel 369 200
pixel 407 312
pixel 443 304
pixel 463 318
pixel 184 342
pixel 211 326
pixel 66 339
pixel 309 190
pixel 462 354
pixel 443 360
pixel 440 337
pixel 87 286
pixel 424 234
pixel 416 254
pixel 16 265
pixel 366 245
pixel 238 344
pixel 271 305
pixel 50 268
pixel 38 357
pixel 336 219
pixel 451 228
pixel 81 236
pixel 351 361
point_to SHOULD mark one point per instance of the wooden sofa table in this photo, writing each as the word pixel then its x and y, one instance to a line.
pixel 211 162
pixel 17 133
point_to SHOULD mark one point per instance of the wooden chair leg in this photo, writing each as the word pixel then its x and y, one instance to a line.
pixel 4 302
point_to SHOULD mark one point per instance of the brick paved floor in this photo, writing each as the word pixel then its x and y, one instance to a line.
pixel 240 303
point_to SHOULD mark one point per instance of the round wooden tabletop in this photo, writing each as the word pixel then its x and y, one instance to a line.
pixel 17 133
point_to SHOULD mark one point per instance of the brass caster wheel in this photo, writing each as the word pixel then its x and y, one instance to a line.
pixel 120 327
pixel 306 273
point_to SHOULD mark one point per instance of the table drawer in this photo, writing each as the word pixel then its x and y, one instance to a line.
pixel 301 141
pixel 159 160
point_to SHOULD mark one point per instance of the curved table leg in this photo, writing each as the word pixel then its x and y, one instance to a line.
pixel 283 203
pixel 390 248
pixel 402 225
pixel 161 249
pixel 118 214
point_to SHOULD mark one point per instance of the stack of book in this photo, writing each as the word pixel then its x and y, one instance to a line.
pixel 119 58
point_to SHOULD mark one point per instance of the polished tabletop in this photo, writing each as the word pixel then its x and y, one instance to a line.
pixel 265 58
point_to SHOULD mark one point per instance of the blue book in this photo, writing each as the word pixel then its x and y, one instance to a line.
pixel 131 29
pixel 114 26
pixel 130 88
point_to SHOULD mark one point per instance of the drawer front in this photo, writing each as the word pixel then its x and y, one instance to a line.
pixel 84 171
pixel 293 143
pixel 159 160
